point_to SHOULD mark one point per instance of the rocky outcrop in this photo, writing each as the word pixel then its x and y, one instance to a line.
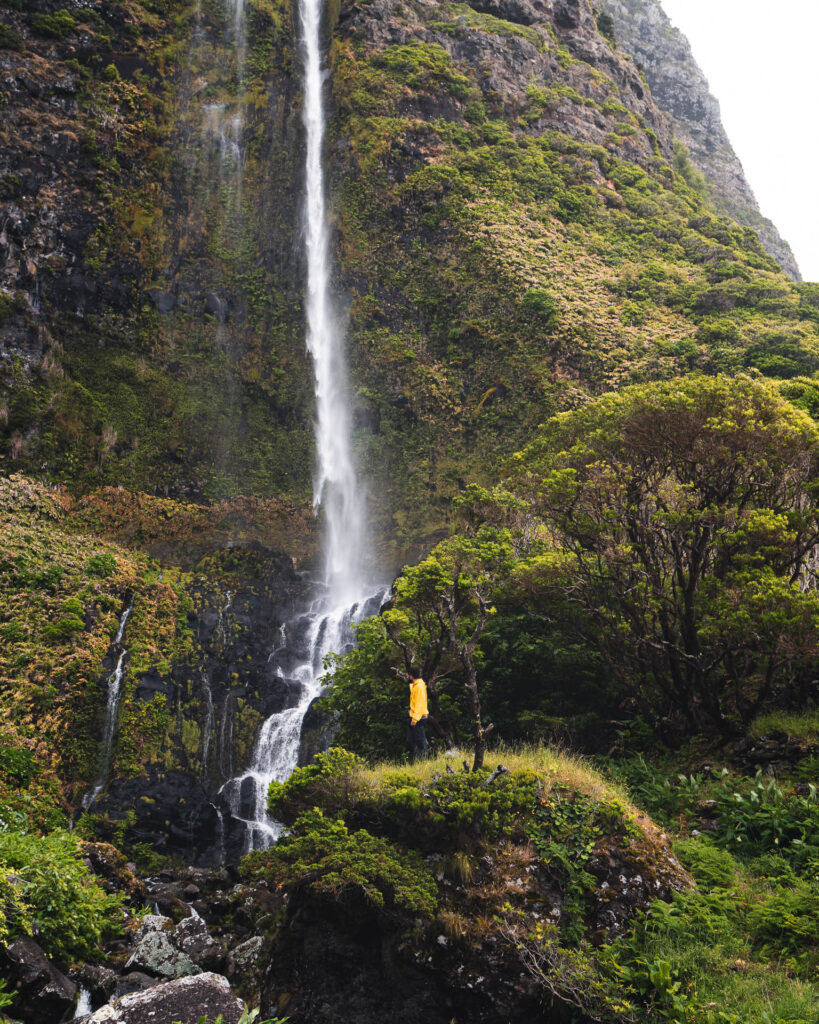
pixel 573 91
pixel 221 695
pixel 186 1000
pixel 679 87
pixel 124 244
pixel 42 992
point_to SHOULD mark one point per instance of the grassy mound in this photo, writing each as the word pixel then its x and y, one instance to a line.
pixel 548 866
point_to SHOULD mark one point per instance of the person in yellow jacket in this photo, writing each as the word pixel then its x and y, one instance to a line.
pixel 418 714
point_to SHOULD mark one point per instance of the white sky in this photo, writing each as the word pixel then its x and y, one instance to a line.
pixel 760 58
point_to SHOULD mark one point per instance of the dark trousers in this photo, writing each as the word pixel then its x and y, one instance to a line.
pixel 417 740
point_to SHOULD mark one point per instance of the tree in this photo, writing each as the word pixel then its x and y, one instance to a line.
pixel 687 510
pixel 433 627
pixel 442 606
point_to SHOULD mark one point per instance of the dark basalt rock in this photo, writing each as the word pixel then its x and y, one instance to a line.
pixel 101 982
pixel 317 733
pixel 185 1000
pixel 333 965
pixel 43 992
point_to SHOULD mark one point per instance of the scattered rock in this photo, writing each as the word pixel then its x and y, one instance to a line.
pixel 111 867
pixel 101 982
pixel 185 1000
pixel 43 992
pixel 136 981
pixel 156 954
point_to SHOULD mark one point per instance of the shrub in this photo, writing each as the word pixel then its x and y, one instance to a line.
pixel 57 25
pixel 336 862
pixel 73 913
pixel 102 564
pixel 69 624
pixel 17 764
pixel 542 306
pixel 605 25
pixel 10 39
pixel 12 632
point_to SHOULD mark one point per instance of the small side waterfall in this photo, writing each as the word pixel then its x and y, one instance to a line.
pixel 111 717
pixel 345 593
pixel 84 1006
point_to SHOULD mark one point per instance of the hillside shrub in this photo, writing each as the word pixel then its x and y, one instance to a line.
pixel 103 564
pixel 325 855
pixel 10 39
pixel 57 25
pixel 73 914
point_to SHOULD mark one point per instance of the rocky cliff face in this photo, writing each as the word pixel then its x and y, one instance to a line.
pixel 679 87
pixel 150 319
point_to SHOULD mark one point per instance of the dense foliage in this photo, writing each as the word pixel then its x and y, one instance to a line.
pixel 687 511
pixel 52 889
pixel 666 527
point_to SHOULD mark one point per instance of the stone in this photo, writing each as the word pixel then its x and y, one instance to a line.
pixel 151 923
pixel 191 937
pixel 42 992
pixel 156 954
pixel 135 981
pixel 247 955
pixel 185 1000
pixel 113 870
pixel 101 982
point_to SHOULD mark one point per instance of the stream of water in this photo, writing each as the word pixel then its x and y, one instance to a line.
pixel 111 716
pixel 344 594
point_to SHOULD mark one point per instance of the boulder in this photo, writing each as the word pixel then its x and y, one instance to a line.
pixel 185 1000
pixel 151 923
pixel 155 954
pixel 135 981
pixel 112 869
pixel 43 992
pixel 100 982
pixel 191 938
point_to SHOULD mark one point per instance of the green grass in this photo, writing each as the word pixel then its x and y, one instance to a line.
pixel 733 948
pixel 798 725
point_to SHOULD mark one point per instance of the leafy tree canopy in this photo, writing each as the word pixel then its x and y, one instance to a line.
pixel 686 512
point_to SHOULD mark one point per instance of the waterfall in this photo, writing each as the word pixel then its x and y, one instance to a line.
pixel 84 1006
pixel 337 488
pixel 111 716
pixel 344 593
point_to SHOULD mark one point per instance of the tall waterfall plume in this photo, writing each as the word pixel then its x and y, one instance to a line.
pixel 337 487
pixel 344 595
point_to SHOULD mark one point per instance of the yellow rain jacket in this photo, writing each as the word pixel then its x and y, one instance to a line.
pixel 418 700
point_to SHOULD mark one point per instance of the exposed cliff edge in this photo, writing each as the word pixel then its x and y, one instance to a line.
pixel 679 87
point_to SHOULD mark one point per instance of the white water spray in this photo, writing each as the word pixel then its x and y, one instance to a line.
pixel 83 1003
pixel 345 595
pixel 337 488
pixel 111 717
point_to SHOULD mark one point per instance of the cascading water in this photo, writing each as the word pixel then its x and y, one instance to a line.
pixel 345 594
pixel 337 487
pixel 84 1006
pixel 111 716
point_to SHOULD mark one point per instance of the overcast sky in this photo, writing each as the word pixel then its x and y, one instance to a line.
pixel 760 58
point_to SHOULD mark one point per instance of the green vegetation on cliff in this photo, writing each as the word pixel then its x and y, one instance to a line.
pixel 547 868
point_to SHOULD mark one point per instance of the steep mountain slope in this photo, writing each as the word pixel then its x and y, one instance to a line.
pixel 679 87
pixel 511 237
pixel 151 279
